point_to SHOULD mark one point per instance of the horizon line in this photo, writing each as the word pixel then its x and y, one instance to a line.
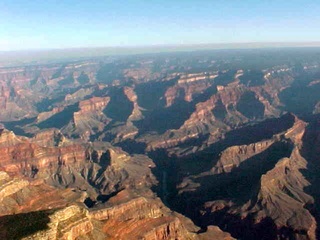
pixel 36 56
pixel 182 45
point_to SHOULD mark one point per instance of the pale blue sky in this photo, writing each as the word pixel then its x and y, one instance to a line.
pixel 38 24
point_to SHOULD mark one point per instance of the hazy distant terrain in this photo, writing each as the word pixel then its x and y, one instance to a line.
pixel 9 58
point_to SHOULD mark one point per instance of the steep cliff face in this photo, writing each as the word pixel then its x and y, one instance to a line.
pixel 44 212
pixel 211 106
pixel 132 96
pixel 189 86
pixel 21 155
pixel 25 89
pixel 225 149
pixel 195 105
pixel 69 223
pixel 230 106
pixel 64 163
pixel 281 198
pixel 283 186
pixel 80 94
pixel 50 138
pixel 72 222
pixel 93 104
pixel 265 187
pixel 46 115
pixel 128 216
pixel 51 172
pixel 90 119
pixel 233 156
pixel 22 195
pixel 12 187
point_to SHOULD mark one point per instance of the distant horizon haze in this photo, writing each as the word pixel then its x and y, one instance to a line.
pixel 173 47
pixel 25 56
pixel 53 24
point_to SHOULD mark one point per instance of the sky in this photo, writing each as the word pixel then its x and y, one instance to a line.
pixel 49 24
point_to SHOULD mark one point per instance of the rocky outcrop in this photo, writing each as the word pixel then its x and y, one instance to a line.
pixel 283 186
pixel 265 188
pixel 137 207
pixel 132 96
pixel 21 195
pixel 12 187
pixel 69 223
pixel 63 162
pixel 233 156
pixel 93 104
pixel 188 86
pixel 46 115
pixel 224 150
pixel 79 95
pixel 129 216
pixel 50 138
pixel 281 198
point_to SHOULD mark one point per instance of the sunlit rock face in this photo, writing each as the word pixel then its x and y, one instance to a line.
pixel 70 189
pixel 114 147
pixel 266 186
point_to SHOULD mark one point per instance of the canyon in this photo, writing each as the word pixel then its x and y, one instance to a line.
pixel 201 145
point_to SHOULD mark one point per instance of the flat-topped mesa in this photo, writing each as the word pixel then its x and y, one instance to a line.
pixel 188 86
pixel 171 94
pixel 127 215
pixel 166 227
pixel 203 113
pixel 187 78
pixel 93 104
